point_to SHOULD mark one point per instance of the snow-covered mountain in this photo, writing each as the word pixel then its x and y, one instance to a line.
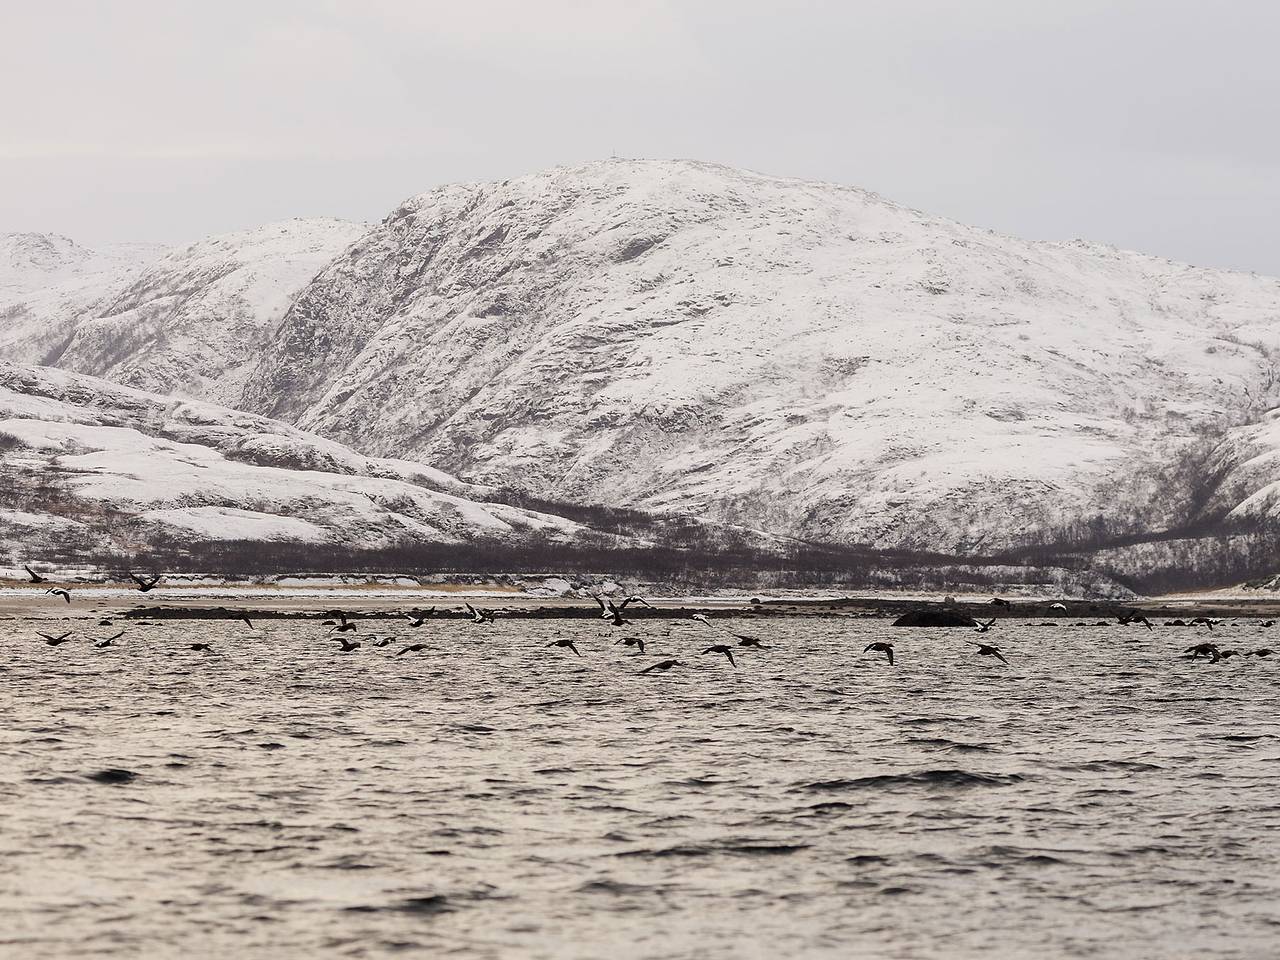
pixel 802 357
pixel 189 323
pixel 97 465
pixel 33 261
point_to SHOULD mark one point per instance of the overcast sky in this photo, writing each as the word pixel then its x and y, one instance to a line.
pixel 1150 124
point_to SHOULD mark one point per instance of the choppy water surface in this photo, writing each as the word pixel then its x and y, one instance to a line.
pixel 492 797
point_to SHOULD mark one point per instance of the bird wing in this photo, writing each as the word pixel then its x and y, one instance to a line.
pixel 997 653
pixel 889 653
pixel 732 662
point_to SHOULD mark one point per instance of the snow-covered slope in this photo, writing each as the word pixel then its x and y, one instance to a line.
pixel 33 261
pixel 189 323
pixel 802 357
pixel 80 456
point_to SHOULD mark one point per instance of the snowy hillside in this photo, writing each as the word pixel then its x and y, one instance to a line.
pixel 33 261
pixel 801 357
pixel 86 460
pixel 188 323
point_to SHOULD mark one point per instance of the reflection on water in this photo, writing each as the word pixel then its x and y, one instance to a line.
pixel 491 796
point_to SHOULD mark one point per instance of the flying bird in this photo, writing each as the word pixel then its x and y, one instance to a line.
pixel 348 645
pixel 1209 650
pixel 721 648
pixel 144 586
pixel 412 648
pixel 744 641
pixel 108 642
pixel 1129 618
pixel 988 650
pixel 35 577
pixel 54 641
pixel 984 627
pixel 480 616
pixel 661 665
pixel 631 642
pixel 419 618
pixel 59 592
pixel 565 643
pixel 881 646
pixel 202 646
pixel 384 642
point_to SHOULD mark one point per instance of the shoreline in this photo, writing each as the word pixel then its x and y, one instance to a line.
pixel 278 602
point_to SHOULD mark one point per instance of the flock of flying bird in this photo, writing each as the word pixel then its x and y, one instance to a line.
pixel 614 613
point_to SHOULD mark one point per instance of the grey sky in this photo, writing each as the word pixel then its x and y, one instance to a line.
pixel 1151 124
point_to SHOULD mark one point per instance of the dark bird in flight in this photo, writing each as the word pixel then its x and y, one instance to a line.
pixel 333 617
pixel 984 627
pixel 345 627
pixel 881 646
pixel 565 643
pixel 419 618
pixel 480 616
pixel 54 641
pixel 1209 650
pixel 988 650
pixel 1129 618
pixel 384 642
pixel 1206 621
pixel 744 641
pixel 144 585
pixel 348 645
pixel 631 642
pixel 721 648
pixel 662 665
pixel 202 646
pixel 613 611
pixel 108 642
pixel 59 592
pixel 35 577
pixel 412 648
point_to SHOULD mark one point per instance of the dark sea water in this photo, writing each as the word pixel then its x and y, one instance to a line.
pixel 490 797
